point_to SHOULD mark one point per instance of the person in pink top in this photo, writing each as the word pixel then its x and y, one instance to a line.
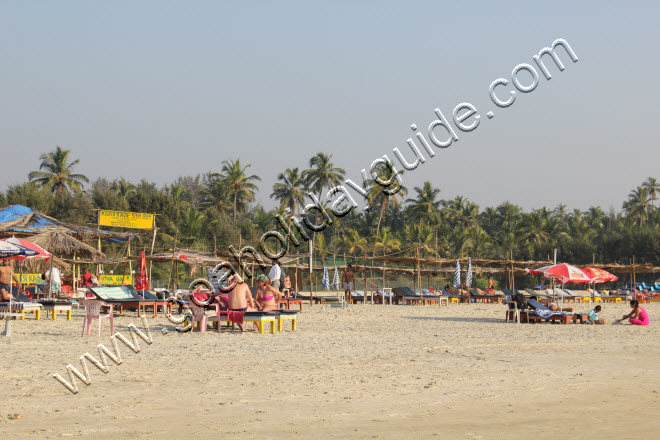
pixel 267 296
pixel 638 315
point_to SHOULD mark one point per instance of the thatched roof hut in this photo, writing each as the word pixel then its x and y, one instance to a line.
pixel 58 242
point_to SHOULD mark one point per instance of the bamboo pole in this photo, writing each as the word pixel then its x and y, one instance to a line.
pixel 172 264
pixel 383 298
pixel 130 263
pixel 311 290
pixel 153 244
pixel 99 267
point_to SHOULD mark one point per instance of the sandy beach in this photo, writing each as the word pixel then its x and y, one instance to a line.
pixel 364 372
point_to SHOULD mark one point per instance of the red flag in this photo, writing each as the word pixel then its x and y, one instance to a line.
pixel 142 278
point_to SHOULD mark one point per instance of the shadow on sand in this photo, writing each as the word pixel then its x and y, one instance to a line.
pixel 456 319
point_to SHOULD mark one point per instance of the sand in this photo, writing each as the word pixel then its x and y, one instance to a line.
pixel 364 372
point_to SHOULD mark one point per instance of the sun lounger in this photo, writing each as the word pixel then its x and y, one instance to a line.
pixel 544 313
pixel 483 297
pixel 123 297
pixel 22 307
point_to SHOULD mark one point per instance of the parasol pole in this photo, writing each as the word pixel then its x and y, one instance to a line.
pixel 50 277
pixel 554 292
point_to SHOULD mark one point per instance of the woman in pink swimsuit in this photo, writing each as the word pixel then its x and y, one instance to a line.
pixel 267 297
pixel 638 316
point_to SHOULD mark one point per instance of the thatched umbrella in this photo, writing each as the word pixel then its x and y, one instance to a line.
pixel 58 242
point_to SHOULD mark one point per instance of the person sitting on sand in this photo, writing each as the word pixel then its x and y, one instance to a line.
pixel 592 316
pixel 267 297
pixel 638 315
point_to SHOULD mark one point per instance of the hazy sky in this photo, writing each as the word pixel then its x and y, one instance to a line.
pixel 159 89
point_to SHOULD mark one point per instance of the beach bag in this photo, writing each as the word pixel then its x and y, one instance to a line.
pixel 43 276
pixel 520 301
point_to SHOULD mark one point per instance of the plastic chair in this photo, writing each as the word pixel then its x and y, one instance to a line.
pixel 93 310
pixel 199 315
pixel 66 290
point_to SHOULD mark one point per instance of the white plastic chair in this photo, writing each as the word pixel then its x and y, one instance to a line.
pixel 93 310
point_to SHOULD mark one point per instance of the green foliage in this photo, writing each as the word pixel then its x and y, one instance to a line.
pixel 214 210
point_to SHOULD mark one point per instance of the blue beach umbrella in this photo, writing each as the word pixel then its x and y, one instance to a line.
pixel 335 279
pixel 457 274
pixel 468 278
pixel 325 281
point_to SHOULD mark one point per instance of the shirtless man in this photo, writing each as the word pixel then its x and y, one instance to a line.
pixel 5 281
pixel 267 296
pixel 491 285
pixel 239 297
pixel 349 279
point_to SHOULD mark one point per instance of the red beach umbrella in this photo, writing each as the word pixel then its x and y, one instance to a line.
pixel 599 275
pixel 142 278
pixel 41 253
pixel 565 273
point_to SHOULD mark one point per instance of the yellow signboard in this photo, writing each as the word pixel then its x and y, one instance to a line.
pixel 31 278
pixel 115 280
pixel 123 219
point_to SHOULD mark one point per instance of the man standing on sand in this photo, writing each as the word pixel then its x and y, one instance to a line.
pixel 348 279
pixel 275 274
pixel 5 281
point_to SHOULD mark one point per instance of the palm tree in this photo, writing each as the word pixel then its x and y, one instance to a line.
pixel 385 197
pixel 353 242
pixel 217 196
pixel 238 184
pixel 322 174
pixel 425 205
pixel 638 204
pixel 57 177
pixel 653 188
pixel 192 225
pixel 386 241
pixel 291 190
pixel 123 188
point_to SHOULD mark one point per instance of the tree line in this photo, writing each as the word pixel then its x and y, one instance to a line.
pixel 217 209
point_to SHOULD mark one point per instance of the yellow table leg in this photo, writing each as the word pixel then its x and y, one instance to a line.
pixel 68 315
pixel 261 327
pixel 54 314
pixel 37 314
pixel 280 324
pixel 272 327
pixel 293 324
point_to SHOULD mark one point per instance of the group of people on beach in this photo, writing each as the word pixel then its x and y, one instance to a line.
pixel 637 316
pixel 240 298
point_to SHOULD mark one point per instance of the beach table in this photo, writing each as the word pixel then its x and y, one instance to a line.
pixel 259 317
pixel 19 309
pixel 55 307
pixel 288 301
